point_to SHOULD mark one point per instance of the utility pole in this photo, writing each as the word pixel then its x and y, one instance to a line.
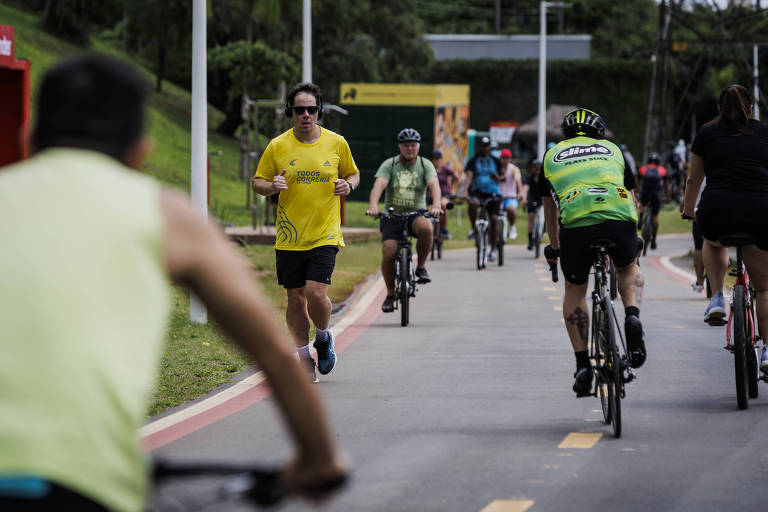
pixel 498 16
pixel 653 122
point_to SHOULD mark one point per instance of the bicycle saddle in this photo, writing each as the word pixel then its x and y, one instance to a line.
pixel 602 243
pixel 735 239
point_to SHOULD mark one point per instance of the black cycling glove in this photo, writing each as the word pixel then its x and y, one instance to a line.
pixel 550 253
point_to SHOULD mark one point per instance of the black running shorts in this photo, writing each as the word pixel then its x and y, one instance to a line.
pixel 576 257
pixel 652 201
pixel 295 268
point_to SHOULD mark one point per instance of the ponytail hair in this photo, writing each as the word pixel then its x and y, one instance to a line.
pixel 734 109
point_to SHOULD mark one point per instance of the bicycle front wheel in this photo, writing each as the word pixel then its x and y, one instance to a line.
pixel 740 345
pixel 481 240
pixel 404 292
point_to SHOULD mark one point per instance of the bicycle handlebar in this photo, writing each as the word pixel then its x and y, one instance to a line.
pixel 390 215
pixel 259 484
pixel 553 269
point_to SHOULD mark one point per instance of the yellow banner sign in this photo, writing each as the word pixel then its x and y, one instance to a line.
pixel 404 94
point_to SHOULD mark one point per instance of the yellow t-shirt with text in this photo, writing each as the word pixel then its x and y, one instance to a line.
pixel 308 213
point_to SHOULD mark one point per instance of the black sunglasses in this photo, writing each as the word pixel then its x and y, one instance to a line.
pixel 298 110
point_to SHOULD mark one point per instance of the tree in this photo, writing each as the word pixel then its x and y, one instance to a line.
pixel 164 28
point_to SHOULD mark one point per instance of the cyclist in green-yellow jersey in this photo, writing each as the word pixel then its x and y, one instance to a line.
pixel 585 188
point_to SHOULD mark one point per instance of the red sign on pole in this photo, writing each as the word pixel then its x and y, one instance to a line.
pixel 6 45
pixel 14 91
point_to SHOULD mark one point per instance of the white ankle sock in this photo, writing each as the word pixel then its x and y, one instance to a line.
pixel 304 351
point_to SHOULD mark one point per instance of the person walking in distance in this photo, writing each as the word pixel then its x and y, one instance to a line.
pixel 310 167
pixel 510 182
pixel 85 298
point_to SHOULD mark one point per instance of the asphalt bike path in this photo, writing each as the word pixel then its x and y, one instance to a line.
pixel 470 407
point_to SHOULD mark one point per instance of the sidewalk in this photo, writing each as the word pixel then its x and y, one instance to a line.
pixel 266 234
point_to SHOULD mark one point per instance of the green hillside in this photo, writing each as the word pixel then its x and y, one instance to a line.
pixel 169 118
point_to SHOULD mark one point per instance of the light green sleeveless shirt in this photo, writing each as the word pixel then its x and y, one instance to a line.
pixel 83 304
pixel 587 176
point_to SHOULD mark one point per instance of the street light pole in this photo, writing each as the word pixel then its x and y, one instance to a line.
pixel 198 182
pixel 542 125
pixel 306 60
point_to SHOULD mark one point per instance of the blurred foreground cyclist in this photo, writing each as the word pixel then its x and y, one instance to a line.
pixel 585 186
pixel 84 299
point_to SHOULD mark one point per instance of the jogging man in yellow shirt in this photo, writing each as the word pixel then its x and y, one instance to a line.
pixel 90 246
pixel 310 167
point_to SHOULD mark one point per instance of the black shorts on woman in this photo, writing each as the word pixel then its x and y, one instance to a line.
pixel 576 258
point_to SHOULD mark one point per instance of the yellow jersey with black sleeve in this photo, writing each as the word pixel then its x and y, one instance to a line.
pixel 308 213
pixel 84 297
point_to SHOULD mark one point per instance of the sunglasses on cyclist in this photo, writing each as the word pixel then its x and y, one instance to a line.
pixel 298 110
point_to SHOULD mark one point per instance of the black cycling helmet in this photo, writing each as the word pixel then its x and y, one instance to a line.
pixel 654 158
pixel 581 121
pixel 408 135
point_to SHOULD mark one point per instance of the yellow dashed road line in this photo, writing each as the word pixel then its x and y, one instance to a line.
pixel 580 440
pixel 508 506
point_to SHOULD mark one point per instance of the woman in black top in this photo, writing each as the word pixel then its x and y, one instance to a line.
pixel 732 151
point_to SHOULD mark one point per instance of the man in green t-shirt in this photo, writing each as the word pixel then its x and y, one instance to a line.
pixel 405 178
pixel 585 185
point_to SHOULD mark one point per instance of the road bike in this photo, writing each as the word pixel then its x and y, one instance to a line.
pixel 405 277
pixel 257 486
pixel 611 365
pixel 741 335
pixel 482 226
pixel 537 231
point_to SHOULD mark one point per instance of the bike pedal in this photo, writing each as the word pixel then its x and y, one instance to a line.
pixel 729 348
pixel 716 322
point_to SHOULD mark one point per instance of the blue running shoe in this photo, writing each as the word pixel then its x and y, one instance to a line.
pixel 326 357
pixel 764 361
pixel 715 313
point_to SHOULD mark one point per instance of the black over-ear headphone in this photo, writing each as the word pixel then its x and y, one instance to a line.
pixel 292 96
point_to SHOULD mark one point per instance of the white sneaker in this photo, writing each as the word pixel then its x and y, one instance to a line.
pixel 512 232
pixel 698 288
pixel 764 361
pixel 492 256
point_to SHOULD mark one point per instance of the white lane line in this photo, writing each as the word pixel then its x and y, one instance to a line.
pixel 357 309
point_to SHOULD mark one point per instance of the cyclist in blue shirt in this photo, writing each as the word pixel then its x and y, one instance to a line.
pixel 482 182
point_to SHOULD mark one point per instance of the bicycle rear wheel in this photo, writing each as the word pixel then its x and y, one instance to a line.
pixel 740 346
pixel 753 374
pixel 613 362
pixel 612 279
pixel 599 342
pixel 405 274
pixel 500 243
pixel 440 249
